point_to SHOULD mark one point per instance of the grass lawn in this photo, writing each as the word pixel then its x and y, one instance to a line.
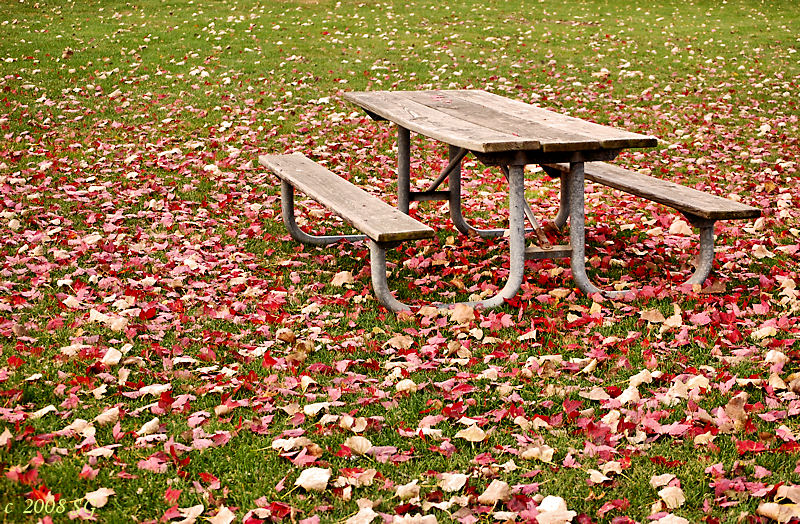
pixel 168 353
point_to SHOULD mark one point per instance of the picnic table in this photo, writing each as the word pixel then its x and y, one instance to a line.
pixel 502 132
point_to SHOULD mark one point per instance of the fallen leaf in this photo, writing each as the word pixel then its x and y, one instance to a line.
pixel 359 445
pixel 672 496
pixel 341 278
pixel 462 314
pixel 99 497
pixel 313 479
pixel 472 434
pixel 408 491
pixel 496 491
pixel 452 481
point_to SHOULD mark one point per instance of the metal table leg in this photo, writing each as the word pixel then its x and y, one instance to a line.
pixel 403 169
pixel 577 232
pixel 516 182
pixel 287 211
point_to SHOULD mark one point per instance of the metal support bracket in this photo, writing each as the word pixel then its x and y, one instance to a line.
pixel 516 255
pixel 287 212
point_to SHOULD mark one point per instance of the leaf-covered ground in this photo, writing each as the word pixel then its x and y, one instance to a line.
pixel 168 354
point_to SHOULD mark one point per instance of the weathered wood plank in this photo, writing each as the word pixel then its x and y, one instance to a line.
pixel 682 198
pixel 453 103
pixel 607 137
pixel 370 215
pixel 435 124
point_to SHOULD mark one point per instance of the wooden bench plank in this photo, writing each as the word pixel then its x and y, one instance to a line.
pixel 440 126
pixel 670 194
pixel 370 215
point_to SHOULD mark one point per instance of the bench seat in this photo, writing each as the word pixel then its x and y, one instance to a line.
pixel 701 209
pixel 685 199
pixel 370 215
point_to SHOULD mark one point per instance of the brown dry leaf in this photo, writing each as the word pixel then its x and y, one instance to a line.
pixel 789 492
pixel 462 314
pixel 779 512
pixel 472 434
pixel 302 349
pixel 735 410
pixel 496 491
pixel 652 315
pixel 717 287
pixel 341 278
pixel 286 335
pixel 400 342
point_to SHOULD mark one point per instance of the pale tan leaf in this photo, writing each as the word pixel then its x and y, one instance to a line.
pixel 452 481
pixel 223 516
pixel 735 410
pixel 672 496
pixel 679 227
pixel 406 385
pixel 190 514
pixel 109 416
pixel 99 498
pixel 462 314
pixel 652 315
pixel 5 438
pixel 657 481
pixel 341 278
pixel 472 434
pixel 359 445
pixel 553 510
pixel 408 491
pixel 149 427
pixel 496 491
pixel 541 452
pixel 779 512
pixel 400 342
pixel 596 477
pixel 313 479
pixel 364 516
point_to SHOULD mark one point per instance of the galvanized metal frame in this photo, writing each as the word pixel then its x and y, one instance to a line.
pixel 287 212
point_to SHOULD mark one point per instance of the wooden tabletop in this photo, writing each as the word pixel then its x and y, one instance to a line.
pixel 487 123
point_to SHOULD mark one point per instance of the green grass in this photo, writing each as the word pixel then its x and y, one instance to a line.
pixel 166 105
